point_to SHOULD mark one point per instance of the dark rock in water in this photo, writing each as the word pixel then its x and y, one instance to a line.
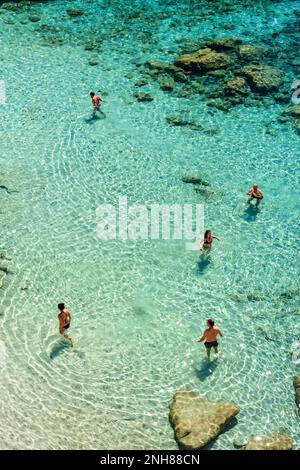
pixel 93 62
pixel 224 44
pixel 92 46
pixel 249 52
pixel 143 96
pixel 34 18
pixel 274 441
pixel 203 60
pixel 197 420
pixel 239 443
pixel 167 83
pixel 180 77
pixel 237 87
pixel 141 82
pixel 297 125
pixel 194 179
pixel 296 381
pixel 219 103
pixel 158 67
pixel 15 7
pixel 4 269
pixel 227 26
pixel 290 293
pixel 283 97
pixel 282 119
pixel 254 297
pixel 177 121
pixel 292 111
pixel 262 78
pixel 74 12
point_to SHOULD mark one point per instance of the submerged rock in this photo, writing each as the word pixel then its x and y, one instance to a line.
pixel 73 12
pixel 197 420
pixel 143 96
pixel 177 120
pixel 274 441
pixel 193 178
pixel 34 18
pixel 167 83
pixel 237 87
pixel 296 383
pixel 224 44
pixel 249 52
pixel 203 60
pixel 223 105
pixel 4 269
pixel 290 293
pixel 93 62
pixel 254 297
pixel 262 78
pixel 292 111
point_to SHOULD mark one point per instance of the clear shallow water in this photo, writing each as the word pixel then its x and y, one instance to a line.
pixel 138 305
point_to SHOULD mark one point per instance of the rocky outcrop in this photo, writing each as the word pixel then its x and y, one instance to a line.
pixel 262 78
pixel 197 420
pixel 203 60
pixel 236 90
pixel 249 52
pixel 226 43
pixel 275 441
pixel 292 111
pixel 296 383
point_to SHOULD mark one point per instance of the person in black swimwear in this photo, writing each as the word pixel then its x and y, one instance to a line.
pixel 206 242
pixel 64 318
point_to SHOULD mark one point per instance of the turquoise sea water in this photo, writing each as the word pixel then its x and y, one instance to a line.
pixel 137 306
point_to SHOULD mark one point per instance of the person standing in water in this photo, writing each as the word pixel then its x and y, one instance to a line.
pixel 96 101
pixel 255 193
pixel 206 242
pixel 64 318
pixel 210 337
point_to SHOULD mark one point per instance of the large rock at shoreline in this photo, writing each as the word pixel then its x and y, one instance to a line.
pixel 275 441
pixel 203 60
pixel 197 420
pixel 262 78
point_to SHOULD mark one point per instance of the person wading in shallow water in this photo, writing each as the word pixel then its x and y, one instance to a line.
pixel 210 337
pixel 96 101
pixel 206 242
pixel 64 318
pixel 255 193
